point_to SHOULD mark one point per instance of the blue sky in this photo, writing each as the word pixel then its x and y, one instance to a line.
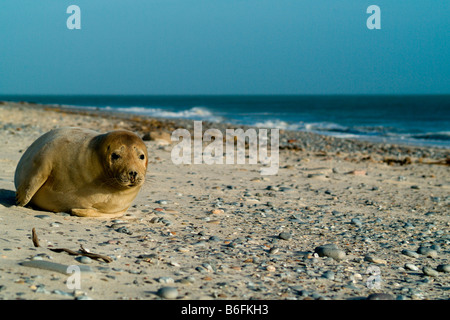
pixel 224 47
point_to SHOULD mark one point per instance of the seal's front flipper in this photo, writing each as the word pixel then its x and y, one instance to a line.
pixel 93 213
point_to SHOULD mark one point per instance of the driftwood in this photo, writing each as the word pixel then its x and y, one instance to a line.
pixel 445 162
pixel 34 238
pixel 402 162
pixel 81 252
pixel 407 160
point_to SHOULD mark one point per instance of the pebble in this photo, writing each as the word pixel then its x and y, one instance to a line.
pixel 330 250
pixel 187 280
pixel 374 259
pixel 166 280
pixel 410 253
pixel 270 268
pixel 62 293
pixel 124 230
pixel 84 297
pixel 285 236
pixel 274 250
pixel 412 267
pixel 168 293
pixel 430 253
pixel 328 275
pixel 436 247
pixel 443 268
pixel 42 216
pixel 380 296
pixel 85 260
pixel 430 272
pixel 357 222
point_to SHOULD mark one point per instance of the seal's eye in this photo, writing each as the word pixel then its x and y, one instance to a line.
pixel 142 157
pixel 115 156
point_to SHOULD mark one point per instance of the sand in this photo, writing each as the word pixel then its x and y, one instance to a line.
pixel 226 232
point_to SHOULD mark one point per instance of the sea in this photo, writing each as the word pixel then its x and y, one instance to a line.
pixel 419 120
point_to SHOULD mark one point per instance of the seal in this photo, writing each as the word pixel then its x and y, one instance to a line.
pixel 82 172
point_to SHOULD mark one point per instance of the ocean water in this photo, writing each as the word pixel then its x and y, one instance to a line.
pixel 408 119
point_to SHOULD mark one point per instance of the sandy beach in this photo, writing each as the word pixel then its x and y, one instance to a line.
pixel 226 232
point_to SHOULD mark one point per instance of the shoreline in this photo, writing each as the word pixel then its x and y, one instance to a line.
pixel 288 139
pixel 405 140
pixel 224 232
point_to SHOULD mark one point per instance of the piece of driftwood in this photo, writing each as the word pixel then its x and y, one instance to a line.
pixel 401 162
pixel 82 252
pixel 34 238
pixel 444 162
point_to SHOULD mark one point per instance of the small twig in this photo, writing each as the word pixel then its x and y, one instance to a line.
pixel 35 238
pixel 83 251
pixel 94 255
pixel 71 252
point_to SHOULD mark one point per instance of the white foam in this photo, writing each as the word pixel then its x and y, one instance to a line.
pixel 195 113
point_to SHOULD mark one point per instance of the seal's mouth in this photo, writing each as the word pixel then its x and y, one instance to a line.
pixel 123 181
pixel 130 183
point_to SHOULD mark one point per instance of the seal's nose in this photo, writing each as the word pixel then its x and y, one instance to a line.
pixel 132 175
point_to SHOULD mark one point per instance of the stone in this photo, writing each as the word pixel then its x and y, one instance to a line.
pixel 168 293
pixel 217 211
pixel 430 272
pixel 443 268
pixel 412 267
pixel 430 253
pixel 328 275
pixel 285 236
pixel 43 216
pixel 270 268
pixel 166 280
pixel 410 253
pixel 380 296
pixel 84 260
pixel 330 250
pixel 372 258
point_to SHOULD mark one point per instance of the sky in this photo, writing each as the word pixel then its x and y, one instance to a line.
pixel 211 47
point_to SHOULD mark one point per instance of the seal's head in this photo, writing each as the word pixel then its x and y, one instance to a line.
pixel 124 156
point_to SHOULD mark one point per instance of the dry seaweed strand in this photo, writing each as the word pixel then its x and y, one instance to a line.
pixel 82 252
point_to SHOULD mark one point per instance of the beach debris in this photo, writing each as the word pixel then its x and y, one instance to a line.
pixel 34 238
pixel 445 162
pixel 81 252
pixel 402 162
